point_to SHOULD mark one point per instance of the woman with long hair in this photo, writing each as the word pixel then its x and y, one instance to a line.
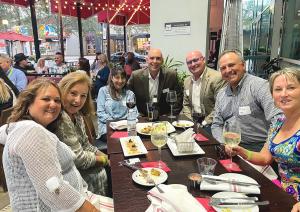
pixel 6 96
pixel 39 169
pixel 84 65
pixel 111 101
pixel 102 74
pixel 77 102
pixel 41 68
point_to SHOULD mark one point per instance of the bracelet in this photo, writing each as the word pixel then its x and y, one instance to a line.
pixel 249 155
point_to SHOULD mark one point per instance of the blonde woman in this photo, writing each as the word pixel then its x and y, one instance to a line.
pixel 6 96
pixel 76 99
pixel 40 67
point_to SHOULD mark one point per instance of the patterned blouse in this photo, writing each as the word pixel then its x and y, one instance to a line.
pixel 287 155
pixel 74 136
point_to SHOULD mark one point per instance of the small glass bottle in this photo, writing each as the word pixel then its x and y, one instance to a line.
pixel 131 123
pixel 155 108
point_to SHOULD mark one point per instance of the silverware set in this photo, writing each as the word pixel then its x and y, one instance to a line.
pixel 237 201
pixel 235 182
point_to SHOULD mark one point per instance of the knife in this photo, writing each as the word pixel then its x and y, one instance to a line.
pixel 229 181
pixel 241 203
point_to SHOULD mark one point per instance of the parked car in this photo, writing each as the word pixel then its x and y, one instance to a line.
pixel 116 56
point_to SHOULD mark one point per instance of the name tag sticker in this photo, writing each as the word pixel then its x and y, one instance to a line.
pixel 245 110
pixel 187 92
pixel 166 90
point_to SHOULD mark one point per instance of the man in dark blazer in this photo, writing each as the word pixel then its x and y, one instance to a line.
pixel 201 88
pixel 155 81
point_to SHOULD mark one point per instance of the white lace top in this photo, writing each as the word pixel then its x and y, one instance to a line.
pixel 33 155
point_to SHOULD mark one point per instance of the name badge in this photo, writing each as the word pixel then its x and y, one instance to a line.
pixel 187 92
pixel 245 110
pixel 166 90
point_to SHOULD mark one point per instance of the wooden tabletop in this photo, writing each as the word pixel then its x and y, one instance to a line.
pixel 129 196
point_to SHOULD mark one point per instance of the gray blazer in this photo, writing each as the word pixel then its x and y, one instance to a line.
pixel 210 85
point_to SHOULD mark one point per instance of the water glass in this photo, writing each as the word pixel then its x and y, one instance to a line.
pixel 206 166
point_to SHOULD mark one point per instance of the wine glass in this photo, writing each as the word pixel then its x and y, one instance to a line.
pixel 198 115
pixel 171 99
pixel 130 101
pixel 159 137
pixel 232 135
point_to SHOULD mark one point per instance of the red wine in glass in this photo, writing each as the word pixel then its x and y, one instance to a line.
pixel 130 105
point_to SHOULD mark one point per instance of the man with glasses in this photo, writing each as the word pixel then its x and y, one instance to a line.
pixel 247 98
pixel 201 88
pixel 154 82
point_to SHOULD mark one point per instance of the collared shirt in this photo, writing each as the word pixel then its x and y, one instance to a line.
pixel 253 106
pixel 153 86
pixel 17 77
pixel 196 94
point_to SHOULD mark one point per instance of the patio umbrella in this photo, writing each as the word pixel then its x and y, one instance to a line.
pixel 13 36
pixel 2 45
pixel 26 3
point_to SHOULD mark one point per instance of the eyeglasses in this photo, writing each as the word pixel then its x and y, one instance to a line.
pixel 195 60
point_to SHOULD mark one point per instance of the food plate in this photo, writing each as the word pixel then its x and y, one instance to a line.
pixel 233 208
pixel 145 128
pixel 133 146
pixel 240 177
pixel 139 179
pixel 172 146
pixel 182 123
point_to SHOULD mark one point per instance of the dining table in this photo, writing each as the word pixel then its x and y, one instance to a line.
pixel 130 196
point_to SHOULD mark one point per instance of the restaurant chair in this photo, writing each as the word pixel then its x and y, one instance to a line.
pixel 3 118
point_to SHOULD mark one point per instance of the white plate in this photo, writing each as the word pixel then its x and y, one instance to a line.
pixel 239 177
pixel 182 123
pixel 233 208
pixel 141 126
pixel 139 179
pixel 172 146
pixel 140 150
pixel 118 125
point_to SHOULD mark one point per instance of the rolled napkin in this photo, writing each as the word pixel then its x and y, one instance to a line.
pixel 105 204
pixel 175 198
pixel 118 125
pixel 186 136
pixel 222 186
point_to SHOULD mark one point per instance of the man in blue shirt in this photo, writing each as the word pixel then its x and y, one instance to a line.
pixel 17 76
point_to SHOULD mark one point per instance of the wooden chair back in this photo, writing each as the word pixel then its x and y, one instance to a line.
pixel 4 115
pixel 90 129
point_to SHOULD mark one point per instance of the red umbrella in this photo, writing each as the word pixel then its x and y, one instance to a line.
pixel 24 3
pixel 135 11
pixel 13 36
pixel 2 45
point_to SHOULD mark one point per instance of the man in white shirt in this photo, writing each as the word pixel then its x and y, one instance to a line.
pixel 201 88
pixel 155 82
pixel 60 67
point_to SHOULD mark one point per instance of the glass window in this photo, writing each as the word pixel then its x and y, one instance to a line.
pixel 290 47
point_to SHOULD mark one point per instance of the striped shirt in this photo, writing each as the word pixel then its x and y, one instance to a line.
pixel 254 108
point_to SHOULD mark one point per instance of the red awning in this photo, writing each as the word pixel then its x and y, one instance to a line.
pixel 24 3
pixel 135 11
pixel 13 36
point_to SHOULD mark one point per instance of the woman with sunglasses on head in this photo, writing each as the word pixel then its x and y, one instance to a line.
pixel 111 101
pixel 76 98
pixel 283 144
pixel 39 169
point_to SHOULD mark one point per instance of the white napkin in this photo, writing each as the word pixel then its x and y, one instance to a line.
pixel 118 125
pixel 105 204
pixel 175 198
pixel 186 136
pixel 220 186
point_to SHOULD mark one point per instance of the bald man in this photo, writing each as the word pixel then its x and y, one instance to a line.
pixel 201 88
pixel 155 82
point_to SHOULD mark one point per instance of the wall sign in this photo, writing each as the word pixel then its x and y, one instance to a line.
pixel 177 28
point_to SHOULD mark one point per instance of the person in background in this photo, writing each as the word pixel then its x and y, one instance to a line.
pixel 6 96
pixel 95 67
pixel 155 81
pixel 21 63
pixel 283 143
pixel 103 73
pixel 131 64
pixel 76 98
pixel 60 67
pixel 41 68
pixel 122 61
pixel 111 101
pixel 8 82
pixel 39 169
pixel 245 97
pixel 84 64
pixel 16 76
pixel 200 89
